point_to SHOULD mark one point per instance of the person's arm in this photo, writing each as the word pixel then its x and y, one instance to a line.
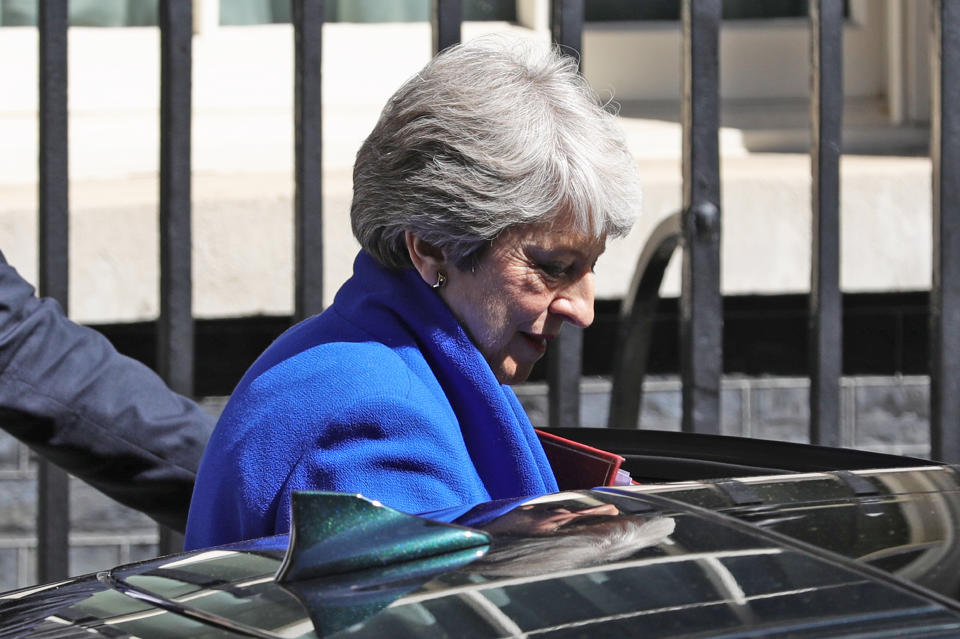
pixel 102 416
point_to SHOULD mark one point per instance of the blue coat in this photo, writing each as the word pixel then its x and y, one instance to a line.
pixel 382 394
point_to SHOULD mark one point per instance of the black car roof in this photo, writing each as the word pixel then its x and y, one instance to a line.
pixel 820 554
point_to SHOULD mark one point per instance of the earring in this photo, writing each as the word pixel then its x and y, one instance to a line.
pixel 441 280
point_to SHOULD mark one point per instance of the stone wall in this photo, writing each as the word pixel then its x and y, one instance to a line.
pixel 886 414
pixel 883 414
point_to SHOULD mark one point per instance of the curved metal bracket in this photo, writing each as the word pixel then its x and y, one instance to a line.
pixel 636 322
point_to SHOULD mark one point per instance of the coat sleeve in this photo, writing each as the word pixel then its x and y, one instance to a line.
pixel 106 418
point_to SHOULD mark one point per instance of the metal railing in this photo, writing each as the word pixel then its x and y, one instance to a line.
pixel 53 505
pixel 945 288
pixel 697 228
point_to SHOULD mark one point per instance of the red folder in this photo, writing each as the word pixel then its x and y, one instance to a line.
pixel 578 466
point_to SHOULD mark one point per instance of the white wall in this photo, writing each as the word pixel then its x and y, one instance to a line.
pixel 243 140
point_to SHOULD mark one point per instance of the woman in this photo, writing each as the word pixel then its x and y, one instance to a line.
pixel 482 199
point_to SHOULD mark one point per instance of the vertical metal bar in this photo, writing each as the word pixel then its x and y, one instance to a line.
pixel 53 509
pixel 701 305
pixel 308 16
pixel 826 118
pixel 446 18
pixel 175 356
pixel 175 325
pixel 945 292
pixel 564 367
pixel 566 26
pixel 565 357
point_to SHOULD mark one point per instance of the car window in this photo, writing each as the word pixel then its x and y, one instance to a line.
pixel 698 575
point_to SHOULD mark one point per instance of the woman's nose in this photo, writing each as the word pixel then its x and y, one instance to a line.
pixel 575 302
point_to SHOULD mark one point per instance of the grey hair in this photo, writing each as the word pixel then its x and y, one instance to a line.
pixel 490 135
pixel 538 555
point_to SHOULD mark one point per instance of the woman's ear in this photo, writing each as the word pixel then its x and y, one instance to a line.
pixel 427 258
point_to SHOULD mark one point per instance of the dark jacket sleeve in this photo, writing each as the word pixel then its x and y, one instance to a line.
pixel 106 418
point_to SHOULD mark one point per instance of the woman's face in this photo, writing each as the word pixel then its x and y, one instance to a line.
pixel 548 519
pixel 531 280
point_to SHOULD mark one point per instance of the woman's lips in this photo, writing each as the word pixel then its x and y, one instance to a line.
pixel 537 341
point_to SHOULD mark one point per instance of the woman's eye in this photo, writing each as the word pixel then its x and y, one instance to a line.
pixel 552 269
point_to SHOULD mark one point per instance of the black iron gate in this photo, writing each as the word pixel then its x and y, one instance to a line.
pixel 697 228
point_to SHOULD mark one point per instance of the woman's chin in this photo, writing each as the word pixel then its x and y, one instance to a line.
pixel 512 372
